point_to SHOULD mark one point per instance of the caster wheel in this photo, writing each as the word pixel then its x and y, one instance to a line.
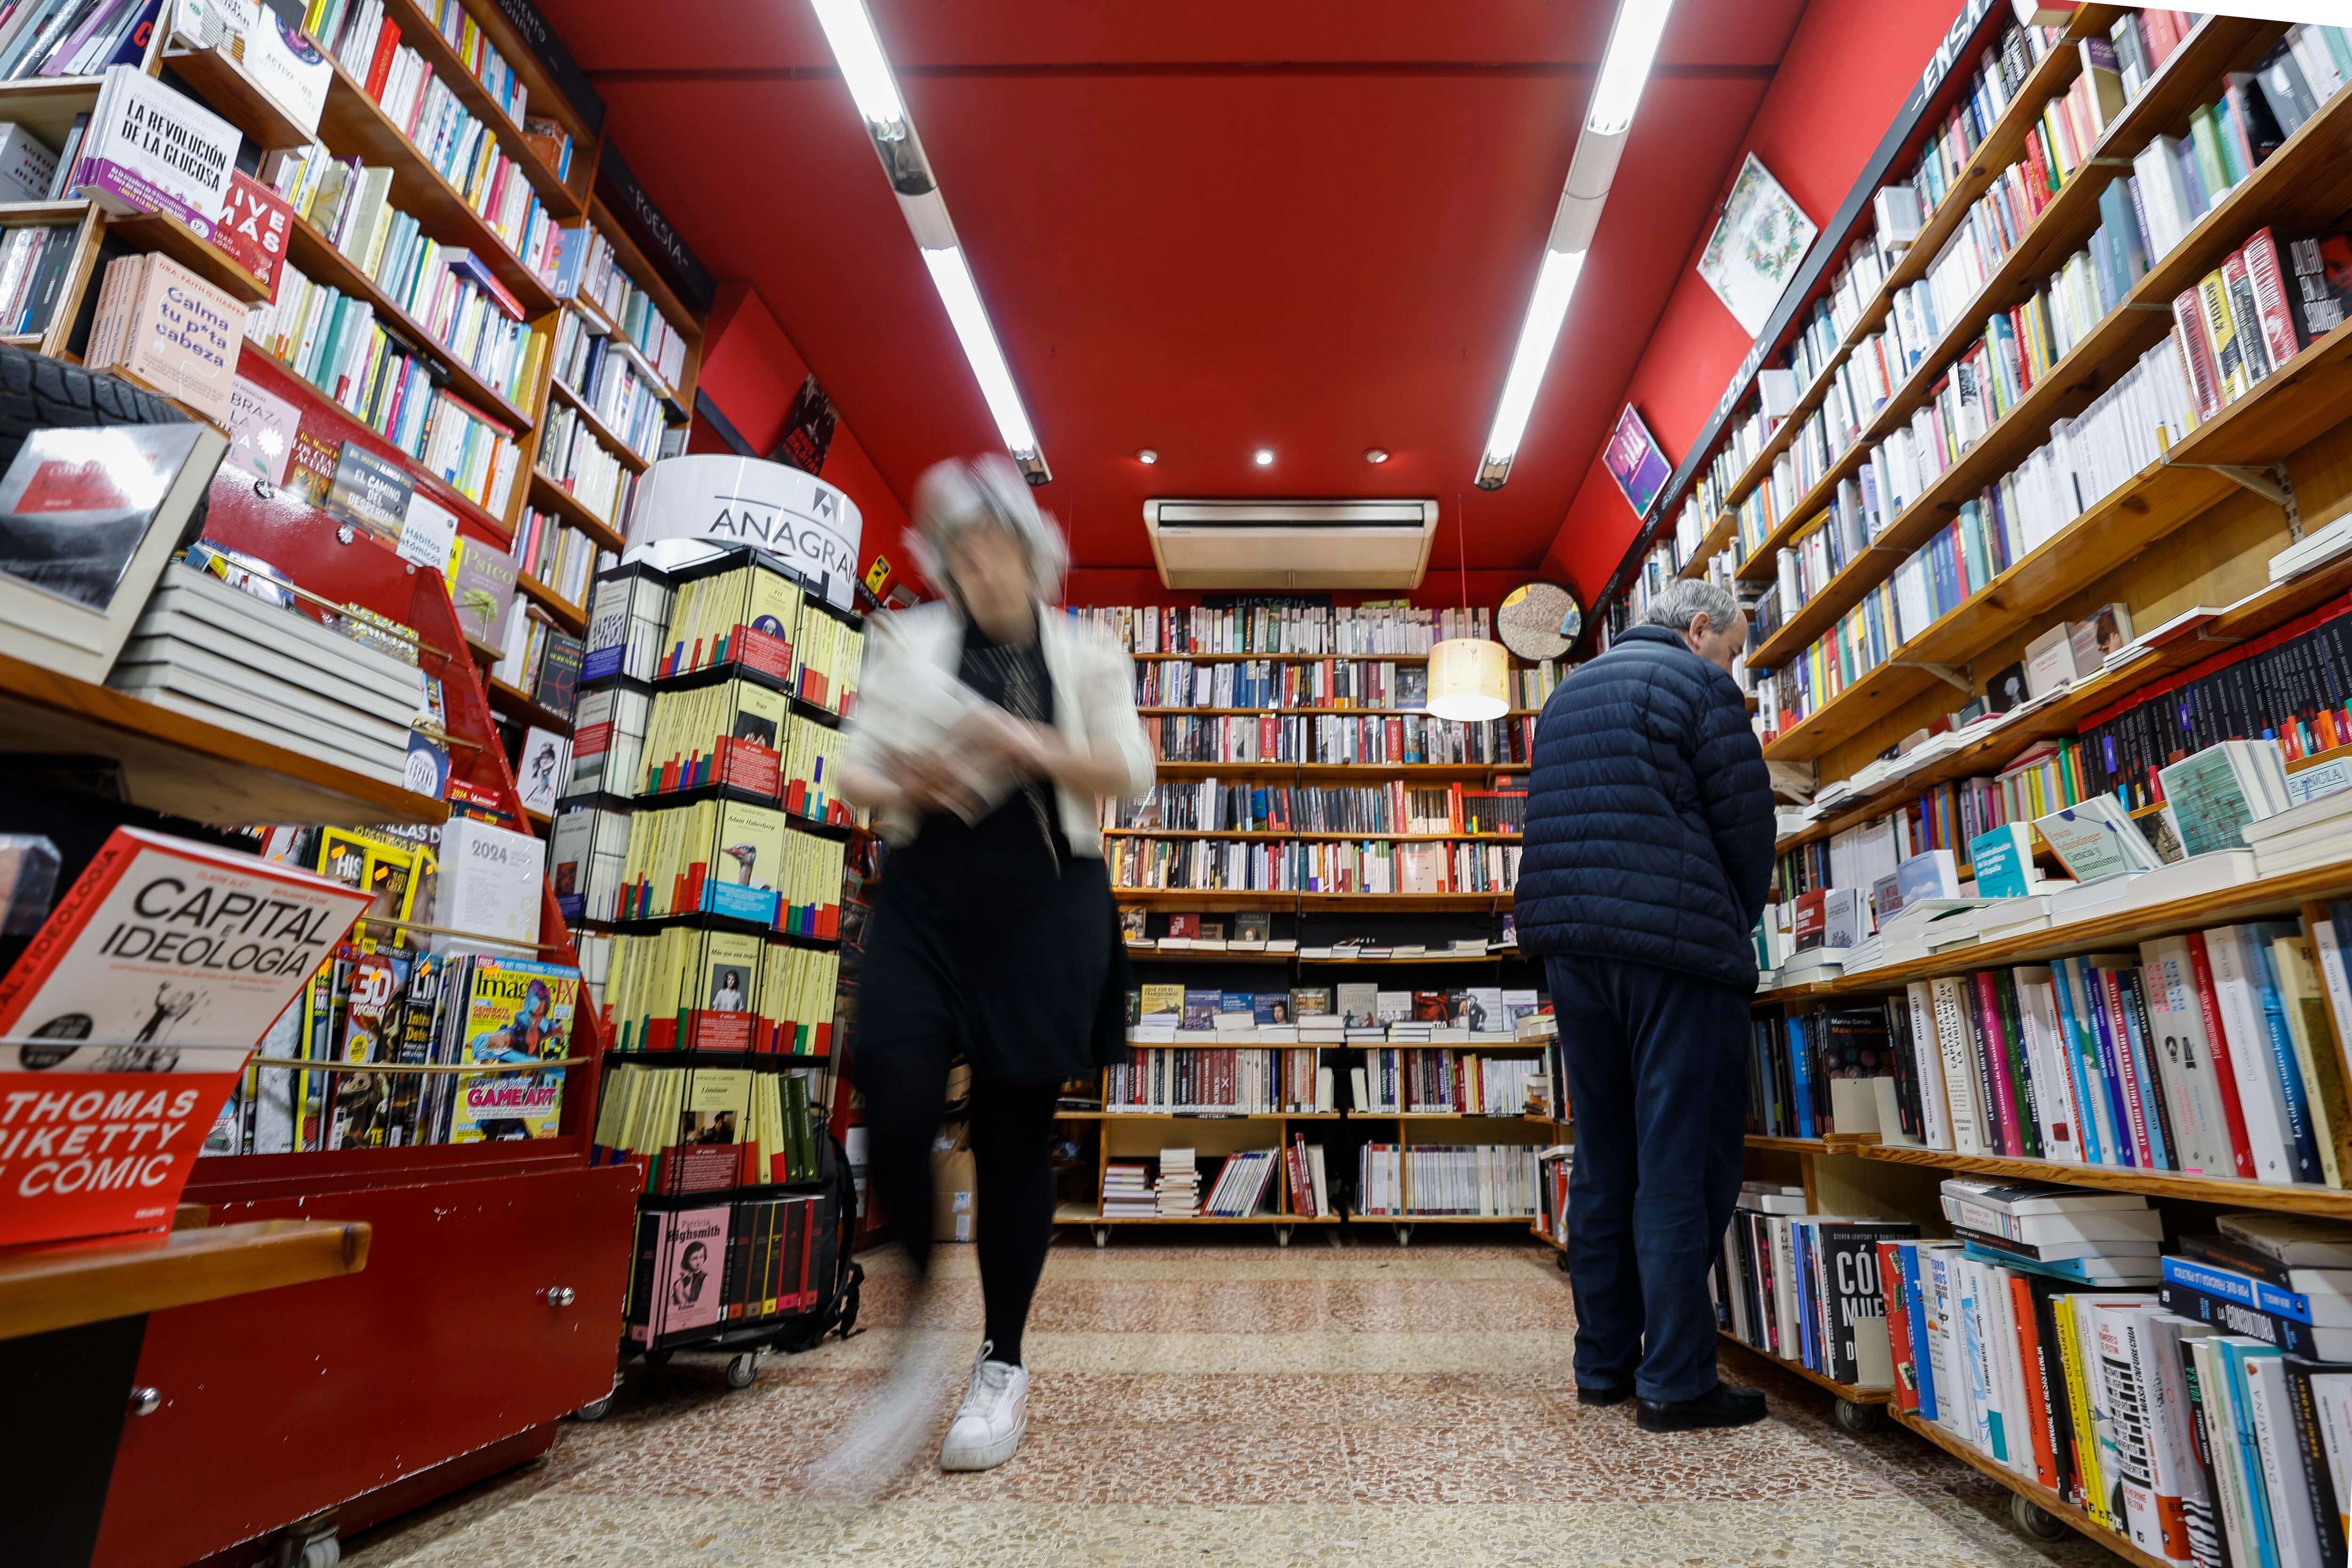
pixel 658 1358
pixel 1102 1236
pixel 1404 1236
pixel 741 1370
pixel 1281 1235
pixel 2034 1520
pixel 323 1553
pixel 1863 1419
pixel 594 1410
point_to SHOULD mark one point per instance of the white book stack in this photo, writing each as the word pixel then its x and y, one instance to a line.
pixel 1126 1192
pixel 2301 836
pixel 1180 1184
pixel 215 653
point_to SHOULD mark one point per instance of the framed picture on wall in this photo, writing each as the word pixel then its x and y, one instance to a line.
pixel 1755 247
pixel 1635 463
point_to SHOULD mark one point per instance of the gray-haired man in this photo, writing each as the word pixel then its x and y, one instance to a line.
pixel 1649 854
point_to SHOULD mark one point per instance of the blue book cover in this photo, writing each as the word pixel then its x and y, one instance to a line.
pixel 1974 1350
pixel 2257 1497
pixel 1802 1078
pixel 2094 987
pixel 2259 935
pixel 2126 984
pixel 2068 1268
pixel 1914 1301
pixel 2081 1054
pixel 2245 1290
pixel 2004 860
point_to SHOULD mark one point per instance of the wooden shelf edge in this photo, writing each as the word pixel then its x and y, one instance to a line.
pixel 2050 1502
pixel 1850 1392
pixel 549 493
pixel 48 1288
pixel 628 457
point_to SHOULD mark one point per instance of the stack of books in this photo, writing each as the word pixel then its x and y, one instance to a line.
pixel 1126 1191
pixel 1178 1185
pixel 268 671
pixel 2283 1279
pixel 2090 1237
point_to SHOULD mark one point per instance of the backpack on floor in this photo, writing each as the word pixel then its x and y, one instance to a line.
pixel 835 1273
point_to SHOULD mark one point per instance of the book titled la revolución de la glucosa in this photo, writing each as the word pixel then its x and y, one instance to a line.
pixel 150 149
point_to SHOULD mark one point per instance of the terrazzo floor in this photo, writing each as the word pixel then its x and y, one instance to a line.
pixel 1338 1403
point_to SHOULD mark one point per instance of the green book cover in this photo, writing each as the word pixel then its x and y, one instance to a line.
pixel 2206 801
pixel 2206 136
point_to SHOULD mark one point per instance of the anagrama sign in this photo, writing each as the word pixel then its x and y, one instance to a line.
pixel 690 506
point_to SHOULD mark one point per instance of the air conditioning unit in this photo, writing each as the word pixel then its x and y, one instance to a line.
pixel 1277 544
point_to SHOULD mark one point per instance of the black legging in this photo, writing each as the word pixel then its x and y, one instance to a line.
pixel 906 1088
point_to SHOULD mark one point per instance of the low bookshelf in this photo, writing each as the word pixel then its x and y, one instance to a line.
pixel 1860 1410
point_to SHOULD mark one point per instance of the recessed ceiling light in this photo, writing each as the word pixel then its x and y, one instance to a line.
pixel 1147 455
pixel 1263 457
pixel 1376 454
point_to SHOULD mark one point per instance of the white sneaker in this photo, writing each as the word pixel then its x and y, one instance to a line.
pixel 995 1412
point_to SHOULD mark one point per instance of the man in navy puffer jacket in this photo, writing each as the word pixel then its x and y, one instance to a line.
pixel 1649 854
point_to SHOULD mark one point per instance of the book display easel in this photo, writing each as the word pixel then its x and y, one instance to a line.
pixel 398 237
pixel 1303 795
pixel 2062 444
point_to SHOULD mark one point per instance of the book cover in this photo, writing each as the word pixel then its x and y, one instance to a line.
pixel 150 149
pixel 261 426
pixel 252 227
pixel 372 493
pixel 516 1010
pixel 2003 861
pixel 481 588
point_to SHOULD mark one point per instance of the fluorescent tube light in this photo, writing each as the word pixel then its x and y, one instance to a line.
pixel 952 278
pixel 857 50
pixel 1632 45
pixel 1554 286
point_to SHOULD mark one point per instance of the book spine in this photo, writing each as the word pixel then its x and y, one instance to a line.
pixel 2038 1404
pixel 1993 1064
pixel 2217 1048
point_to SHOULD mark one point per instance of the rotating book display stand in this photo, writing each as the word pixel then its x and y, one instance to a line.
pixel 2191 528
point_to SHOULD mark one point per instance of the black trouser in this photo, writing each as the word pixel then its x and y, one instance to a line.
pixel 906 1087
pixel 1657 1085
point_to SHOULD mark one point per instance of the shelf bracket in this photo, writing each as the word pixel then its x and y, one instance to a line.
pixel 2269 483
pixel 1943 672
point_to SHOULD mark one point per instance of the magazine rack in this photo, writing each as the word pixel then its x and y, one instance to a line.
pixel 496 1269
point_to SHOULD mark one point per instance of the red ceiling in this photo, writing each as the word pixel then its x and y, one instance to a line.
pixel 1204 228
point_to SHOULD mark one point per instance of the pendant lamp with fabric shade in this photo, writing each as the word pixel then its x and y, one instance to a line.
pixel 1469 677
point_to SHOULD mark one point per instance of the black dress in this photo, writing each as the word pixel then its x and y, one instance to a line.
pixel 991 936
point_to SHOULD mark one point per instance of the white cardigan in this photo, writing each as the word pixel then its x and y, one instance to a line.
pixel 1094 699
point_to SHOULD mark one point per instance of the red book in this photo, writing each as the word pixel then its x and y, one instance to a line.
pixel 252 227
pixel 1899 1324
pixel 2280 342
pixel 2037 1390
pixel 2204 376
pixel 380 69
pixel 2216 1050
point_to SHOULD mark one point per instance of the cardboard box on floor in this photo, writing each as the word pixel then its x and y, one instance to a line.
pixel 952 1206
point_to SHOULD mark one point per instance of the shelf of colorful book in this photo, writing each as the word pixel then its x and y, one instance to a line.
pixel 46 105
pixel 1513 954
pixel 2256 615
pixel 354 125
pixel 1075 1213
pixel 628 457
pixel 1203 1115
pixel 2051 75
pixel 185 767
pixel 316 258
pixel 685 320
pixel 1279 657
pixel 2034 1492
pixel 2300 1197
pixel 2303 182
pixel 1303 711
pixel 782 1061
pixel 1202 955
pixel 1287 836
pixel 550 495
pixel 2063 226
pixel 1325 772
pixel 218 82
pixel 572 617
pixel 2160 498
pixel 518 704
pixel 1720 532
pixel 417 32
pixel 1850 1392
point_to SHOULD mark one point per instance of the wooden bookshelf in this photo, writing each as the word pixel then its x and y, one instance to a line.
pixel 572 617
pixel 314 255
pixel 1341 773
pixel 356 125
pixel 1289 835
pixel 217 80
pixel 417 32
pixel 2230 1192
pixel 1209 955
pixel 2272 420
pixel 628 457
pixel 185 767
pixel 666 300
pixel 1255 658
pixel 1853 1394
pixel 1311 713
pixel 547 494
pixel 1513 955
pixel 1140 1116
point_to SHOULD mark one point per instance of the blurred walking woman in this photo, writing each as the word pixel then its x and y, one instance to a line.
pixel 996 937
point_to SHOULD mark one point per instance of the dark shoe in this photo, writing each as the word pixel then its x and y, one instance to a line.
pixel 1602 1396
pixel 1718 1406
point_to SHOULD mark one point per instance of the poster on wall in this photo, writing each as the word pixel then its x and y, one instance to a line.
pixel 1635 461
pixel 1755 247
pixel 808 430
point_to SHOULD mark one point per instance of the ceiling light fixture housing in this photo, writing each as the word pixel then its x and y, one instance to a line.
pixel 1376 454
pixel 1608 119
pixel 1263 456
pixel 1147 455
pixel 866 69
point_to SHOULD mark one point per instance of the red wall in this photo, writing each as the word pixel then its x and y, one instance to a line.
pixel 753 372
pixel 1847 71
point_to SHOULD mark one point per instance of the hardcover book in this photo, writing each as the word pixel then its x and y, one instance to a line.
pixel 171 330
pixel 150 149
pixel 370 492
pixel 252 227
